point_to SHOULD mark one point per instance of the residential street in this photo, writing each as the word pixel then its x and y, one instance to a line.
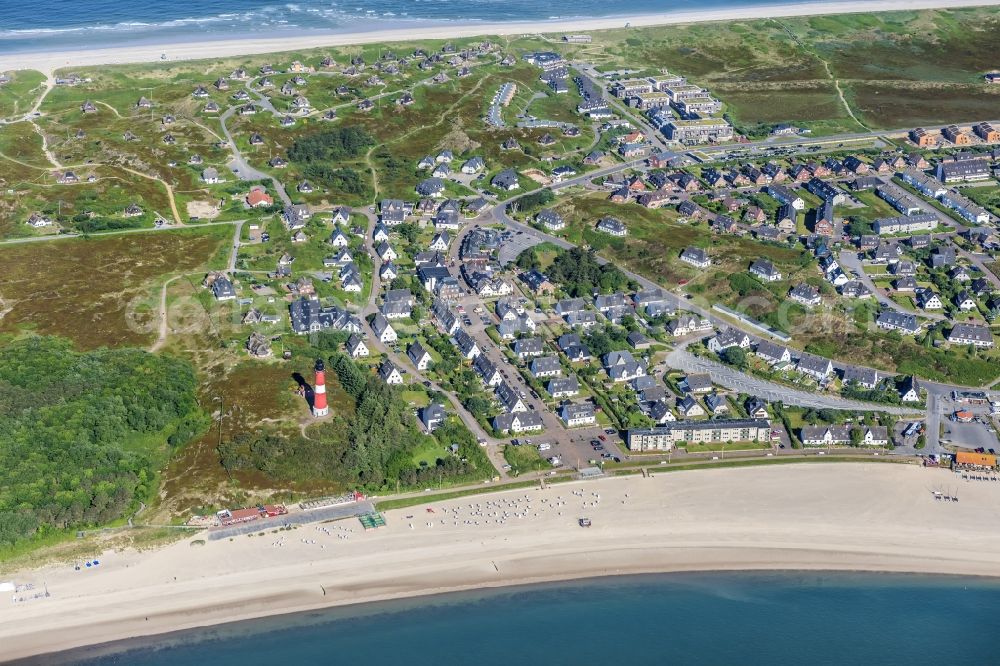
pixel 850 260
pixel 239 165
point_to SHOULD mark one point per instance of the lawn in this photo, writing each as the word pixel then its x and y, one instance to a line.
pixel 427 454
pixel 894 353
pixel 403 502
pixel 19 142
pixel 705 447
pixel 524 458
pixel 874 207
pixel 987 197
pixel 656 239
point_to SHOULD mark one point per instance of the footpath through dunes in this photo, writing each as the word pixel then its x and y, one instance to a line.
pixel 847 516
pixel 99 291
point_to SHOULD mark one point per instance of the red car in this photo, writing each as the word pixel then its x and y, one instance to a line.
pixel 602 438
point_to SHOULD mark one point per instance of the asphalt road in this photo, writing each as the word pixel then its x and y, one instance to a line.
pixel 239 165
pixel 850 260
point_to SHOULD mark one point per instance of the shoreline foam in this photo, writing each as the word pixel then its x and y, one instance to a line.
pixel 47 62
pixel 845 517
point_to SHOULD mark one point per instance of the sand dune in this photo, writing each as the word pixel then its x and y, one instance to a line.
pixel 218 48
pixel 857 516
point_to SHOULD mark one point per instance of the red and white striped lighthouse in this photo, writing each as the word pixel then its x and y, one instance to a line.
pixel 319 391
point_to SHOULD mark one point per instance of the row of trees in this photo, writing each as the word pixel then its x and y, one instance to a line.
pixel 87 224
pixel 82 434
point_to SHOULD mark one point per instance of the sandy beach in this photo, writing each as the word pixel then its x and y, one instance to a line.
pixel 856 516
pixel 47 62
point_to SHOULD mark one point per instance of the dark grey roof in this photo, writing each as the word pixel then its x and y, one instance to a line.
pixel 863 376
pixel 416 352
pixel 528 346
pixel 694 254
pixel 466 343
pixel 616 358
pixel 970 332
pixel 429 187
pixel 763 266
pixel 563 385
pixel 804 291
pixel 698 381
pixel 504 179
pixel 814 364
pixel 544 364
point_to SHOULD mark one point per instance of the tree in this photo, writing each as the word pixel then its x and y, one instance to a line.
pixel 734 356
pixel 532 202
pixel 352 378
pixel 743 284
pixel 599 343
pixel 477 405
pixel 342 179
pixel 528 260
pixel 579 273
pixel 408 232
pixel 64 419
pixel 328 341
pixel 329 145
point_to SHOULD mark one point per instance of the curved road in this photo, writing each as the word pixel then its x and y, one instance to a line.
pixel 850 260
pixel 242 168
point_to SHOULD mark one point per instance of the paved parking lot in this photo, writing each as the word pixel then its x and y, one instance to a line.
pixel 573 448
pixel 515 245
pixel 969 435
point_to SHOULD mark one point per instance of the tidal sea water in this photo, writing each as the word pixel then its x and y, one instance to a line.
pixel 706 618
pixel 72 24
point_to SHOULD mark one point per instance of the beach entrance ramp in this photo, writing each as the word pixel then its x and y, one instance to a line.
pixel 371 521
